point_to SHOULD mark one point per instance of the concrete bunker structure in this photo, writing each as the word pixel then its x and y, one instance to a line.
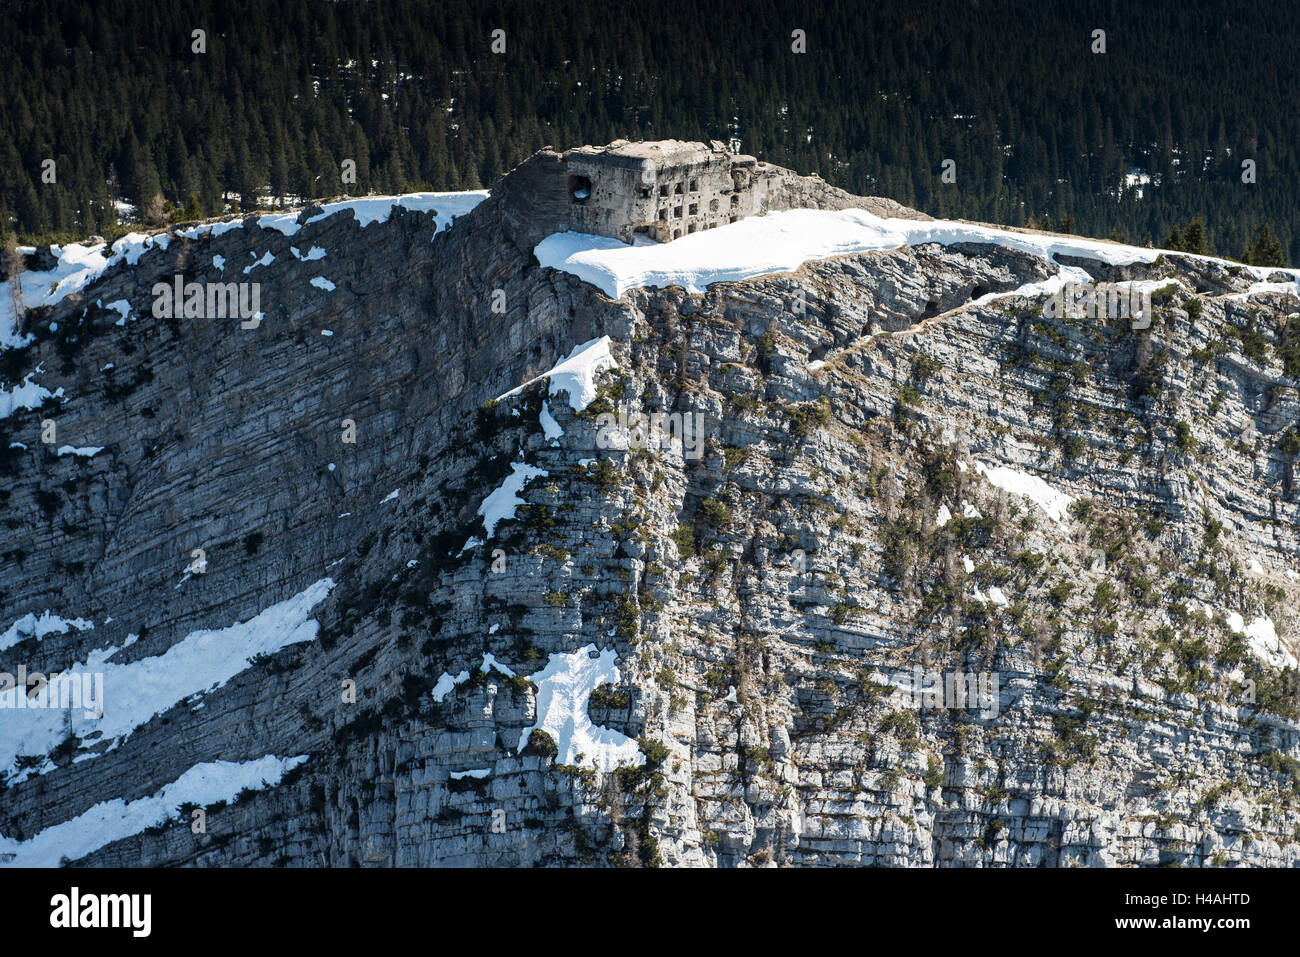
pixel 660 190
pixel 654 191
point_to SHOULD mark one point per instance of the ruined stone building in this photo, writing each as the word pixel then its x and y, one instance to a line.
pixel 663 190
pixel 659 191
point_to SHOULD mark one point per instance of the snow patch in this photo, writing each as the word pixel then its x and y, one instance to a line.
pixel 30 626
pixel 575 373
pixel 445 683
pixel 478 773
pixel 501 504
pixel 122 308
pixel 994 594
pixel 28 395
pixel 266 260
pixel 136 692
pixel 114 820
pixel 1054 503
pixel 491 664
pixel 550 428
pixel 377 209
pixel 1264 641
pixel 782 242
pixel 563 689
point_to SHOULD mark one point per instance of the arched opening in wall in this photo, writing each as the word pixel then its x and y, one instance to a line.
pixel 931 309
pixel 979 290
pixel 579 188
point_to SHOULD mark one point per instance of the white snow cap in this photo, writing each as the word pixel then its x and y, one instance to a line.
pixel 783 241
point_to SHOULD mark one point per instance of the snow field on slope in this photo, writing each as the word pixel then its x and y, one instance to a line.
pixel 114 820
pixel 782 241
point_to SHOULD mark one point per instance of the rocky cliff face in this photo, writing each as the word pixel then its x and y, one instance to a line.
pixel 511 633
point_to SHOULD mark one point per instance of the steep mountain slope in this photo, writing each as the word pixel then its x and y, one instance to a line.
pixel 904 461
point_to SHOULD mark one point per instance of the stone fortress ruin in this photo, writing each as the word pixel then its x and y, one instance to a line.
pixel 655 191
pixel 662 190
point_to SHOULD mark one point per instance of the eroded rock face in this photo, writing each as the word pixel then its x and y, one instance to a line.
pixel 855 518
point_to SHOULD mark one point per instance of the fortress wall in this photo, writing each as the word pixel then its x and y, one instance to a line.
pixel 662 191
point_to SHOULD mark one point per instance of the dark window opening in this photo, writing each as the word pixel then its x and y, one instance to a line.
pixel 663 214
pixel 695 186
pixel 694 209
pixel 663 190
pixel 677 212
pixel 645 192
pixel 678 190
pixel 579 188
